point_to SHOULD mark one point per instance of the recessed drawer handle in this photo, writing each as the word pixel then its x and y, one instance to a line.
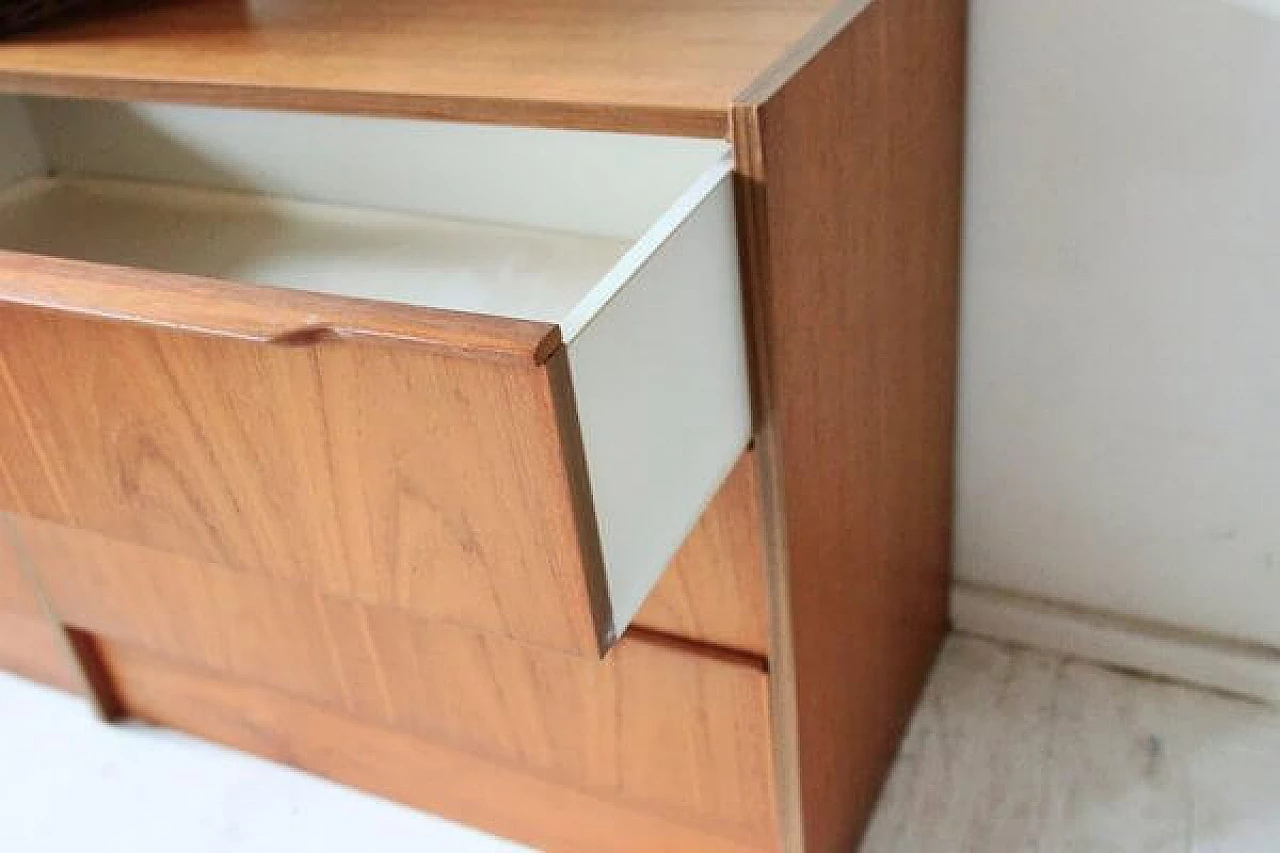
pixel 305 336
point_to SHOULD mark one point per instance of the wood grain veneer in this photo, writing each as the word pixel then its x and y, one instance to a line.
pixel 659 66
pixel 412 770
pixel 850 199
pixel 380 470
pixel 627 727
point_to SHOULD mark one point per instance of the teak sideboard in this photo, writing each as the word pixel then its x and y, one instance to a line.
pixel 539 413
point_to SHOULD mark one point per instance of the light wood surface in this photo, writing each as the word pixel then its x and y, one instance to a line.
pixel 664 66
pixel 682 733
pixel 387 473
pixel 850 192
pixel 446 781
pixel 714 590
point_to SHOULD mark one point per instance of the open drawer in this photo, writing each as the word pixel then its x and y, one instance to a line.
pixel 486 374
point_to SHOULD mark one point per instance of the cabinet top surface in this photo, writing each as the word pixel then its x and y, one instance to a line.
pixel 662 66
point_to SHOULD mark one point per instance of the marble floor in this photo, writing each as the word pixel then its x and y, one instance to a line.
pixel 1011 751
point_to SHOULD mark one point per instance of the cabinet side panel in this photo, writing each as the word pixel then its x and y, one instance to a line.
pixel 852 179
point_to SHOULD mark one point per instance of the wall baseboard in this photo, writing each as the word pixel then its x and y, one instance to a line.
pixel 1205 660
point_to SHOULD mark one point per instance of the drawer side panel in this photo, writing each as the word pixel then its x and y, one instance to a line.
pixel 660 374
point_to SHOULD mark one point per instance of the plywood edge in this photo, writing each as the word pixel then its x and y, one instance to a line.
pixel 591 549
pixel 786 66
pixel 754 243
pixel 261 314
pixel 706 122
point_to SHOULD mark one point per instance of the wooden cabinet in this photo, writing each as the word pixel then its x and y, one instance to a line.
pixel 584 435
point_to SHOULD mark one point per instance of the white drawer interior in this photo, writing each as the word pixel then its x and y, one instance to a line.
pixel 627 242
pixel 506 221
pixel 414 259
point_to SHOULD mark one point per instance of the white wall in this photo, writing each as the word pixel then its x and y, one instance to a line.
pixel 1120 414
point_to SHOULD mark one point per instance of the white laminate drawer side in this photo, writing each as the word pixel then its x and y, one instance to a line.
pixel 660 373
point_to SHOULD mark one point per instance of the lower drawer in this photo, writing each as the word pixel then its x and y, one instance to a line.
pixel 412 770
pixel 654 726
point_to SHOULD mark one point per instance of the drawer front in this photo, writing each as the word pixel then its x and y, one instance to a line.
pixel 390 472
pixel 454 783
pixel 654 725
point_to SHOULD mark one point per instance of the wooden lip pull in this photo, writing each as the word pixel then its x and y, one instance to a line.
pixel 306 336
